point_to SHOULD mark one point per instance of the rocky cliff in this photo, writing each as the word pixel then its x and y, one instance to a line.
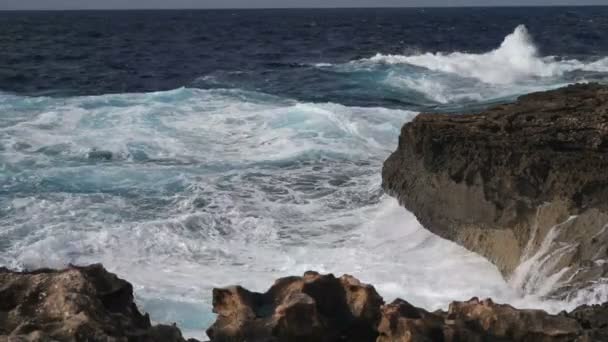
pixel 523 184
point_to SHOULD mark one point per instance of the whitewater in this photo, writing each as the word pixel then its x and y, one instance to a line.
pixel 183 190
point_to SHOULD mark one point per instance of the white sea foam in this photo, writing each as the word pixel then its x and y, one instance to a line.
pixel 454 78
pixel 516 60
pixel 215 187
pixel 203 188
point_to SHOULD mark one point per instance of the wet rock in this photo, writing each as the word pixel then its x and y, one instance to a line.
pixel 593 318
pixel 100 155
pixel 523 184
pixel 310 308
pixel 75 304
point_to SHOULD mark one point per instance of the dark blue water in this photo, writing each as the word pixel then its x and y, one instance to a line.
pixel 78 53
pixel 192 149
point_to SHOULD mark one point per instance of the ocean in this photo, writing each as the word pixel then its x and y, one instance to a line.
pixel 191 149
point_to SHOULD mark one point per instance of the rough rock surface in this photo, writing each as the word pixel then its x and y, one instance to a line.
pixel 523 184
pixel 324 308
pixel 75 304
pixel 594 319
pixel 310 308
pixel 476 320
pixel 90 304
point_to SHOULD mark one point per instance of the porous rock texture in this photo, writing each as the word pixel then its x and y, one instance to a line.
pixel 90 304
pixel 313 307
pixel 324 308
pixel 74 304
pixel 523 184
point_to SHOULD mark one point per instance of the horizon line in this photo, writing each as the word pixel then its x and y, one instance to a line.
pixel 286 8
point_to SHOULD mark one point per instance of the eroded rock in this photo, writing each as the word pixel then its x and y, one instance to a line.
pixel 313 307
pixel 476 321
pixel 523 184
pixel 75 304
pixel 324 308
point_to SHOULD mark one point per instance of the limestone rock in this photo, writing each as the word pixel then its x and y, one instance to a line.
pixel 476 321
pixel 310 308
pixel 523 184
pixel 75 304
pixel 324 308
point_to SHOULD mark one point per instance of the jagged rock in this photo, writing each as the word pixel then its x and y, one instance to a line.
pixel 91 304
pixel 100 155
pixel 324 308
pixel 310 308
pixel 476 321
pixel 75 304
pixel 594 318
pixel 523 184
pixel 402 322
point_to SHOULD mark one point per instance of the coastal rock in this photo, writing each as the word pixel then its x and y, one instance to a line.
pixel 324 308
pixel 474 321
pixel 523 184
pixel 91 304
pixel 75 304
pixel 100 155
pixel 313 307
pixel 593 318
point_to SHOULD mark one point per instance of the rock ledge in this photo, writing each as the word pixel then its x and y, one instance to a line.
pixel 523 184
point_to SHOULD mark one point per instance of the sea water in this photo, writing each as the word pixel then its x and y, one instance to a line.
pixel 187 150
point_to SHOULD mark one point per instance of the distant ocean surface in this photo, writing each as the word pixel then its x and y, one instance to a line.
pixel 193 149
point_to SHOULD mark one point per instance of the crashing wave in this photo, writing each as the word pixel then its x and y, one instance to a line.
pixel 517 59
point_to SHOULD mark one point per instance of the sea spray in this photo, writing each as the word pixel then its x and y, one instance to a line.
pixel 516 60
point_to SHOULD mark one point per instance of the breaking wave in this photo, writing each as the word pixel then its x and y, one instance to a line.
pixel 516 60
pixel 183 190
pixel 452 80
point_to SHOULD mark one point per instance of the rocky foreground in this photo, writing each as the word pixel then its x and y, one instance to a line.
pixel 91 304
pixel 75 304
pixel 318 307
pixel 523 184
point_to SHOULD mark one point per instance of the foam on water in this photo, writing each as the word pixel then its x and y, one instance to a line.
pixel 204 188
pixel 183 190
pixel 516 60
pixel 514 68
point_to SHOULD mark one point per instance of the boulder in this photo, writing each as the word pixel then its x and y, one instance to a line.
pixel 523 184
pixel 74 304
pixel 313 307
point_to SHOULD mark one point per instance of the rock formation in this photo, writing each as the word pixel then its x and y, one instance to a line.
pixel 90 304
pixel 75 304
pixel 324 308
pixel 310 308
pixel 523 184
pixel 476 320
